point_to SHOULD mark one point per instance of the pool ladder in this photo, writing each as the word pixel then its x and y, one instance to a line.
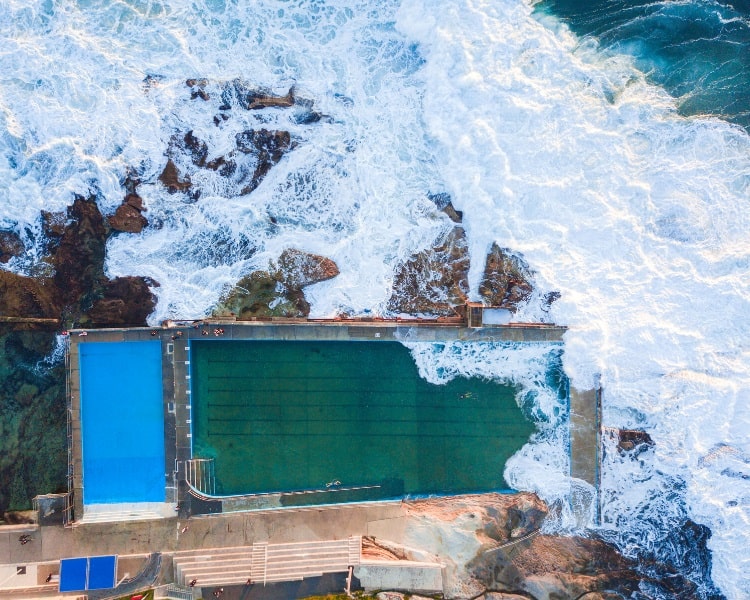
pixel 201 475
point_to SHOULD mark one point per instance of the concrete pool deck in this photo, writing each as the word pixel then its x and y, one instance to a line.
pixel 180 531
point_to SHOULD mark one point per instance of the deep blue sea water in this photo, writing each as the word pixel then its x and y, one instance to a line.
pixel 698 50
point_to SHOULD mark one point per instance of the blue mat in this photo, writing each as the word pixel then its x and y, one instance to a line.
pixel 102 572
pixel 92 573
pixel 73 573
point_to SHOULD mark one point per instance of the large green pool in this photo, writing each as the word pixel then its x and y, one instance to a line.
pixel 281 416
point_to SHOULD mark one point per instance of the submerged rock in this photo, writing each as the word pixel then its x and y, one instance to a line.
pixel 197 149
pixel 444 203
pixel 22 296
pixel 268 147
pixel 125 301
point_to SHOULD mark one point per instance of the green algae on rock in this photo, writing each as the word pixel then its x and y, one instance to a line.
pixel 278 292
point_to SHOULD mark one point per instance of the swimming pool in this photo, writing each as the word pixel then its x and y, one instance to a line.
pixel 122 422
pixel 298 415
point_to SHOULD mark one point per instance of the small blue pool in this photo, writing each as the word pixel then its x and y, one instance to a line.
pixel 122 422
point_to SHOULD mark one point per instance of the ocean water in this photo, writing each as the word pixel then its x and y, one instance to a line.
pixel 605 142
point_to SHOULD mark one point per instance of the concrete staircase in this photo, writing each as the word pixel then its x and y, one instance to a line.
pixel 266 563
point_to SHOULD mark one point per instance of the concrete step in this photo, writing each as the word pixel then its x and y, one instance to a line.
pixel 209 552
pixel 307 571
pixel 110 517
pixel 218 580
pixel 217 562
pixel 304 563
pixel 308 555
pixel 306 545
pixel 221 579
pixel 197 571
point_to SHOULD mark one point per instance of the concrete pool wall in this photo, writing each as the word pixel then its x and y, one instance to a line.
pixel 174 341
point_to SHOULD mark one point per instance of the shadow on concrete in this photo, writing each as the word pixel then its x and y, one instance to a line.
pixel 332 583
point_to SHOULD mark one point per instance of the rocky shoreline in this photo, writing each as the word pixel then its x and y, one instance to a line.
pixel 493 545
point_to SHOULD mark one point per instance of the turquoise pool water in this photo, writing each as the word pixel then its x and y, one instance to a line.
pixel 293 415
pixel 122 422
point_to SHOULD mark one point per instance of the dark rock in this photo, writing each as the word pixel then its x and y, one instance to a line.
pixel 506 282
pixel 443 203
pixel 630 438
pixel 10 245
pixel 196 88
pixel 297 269
pixel 197 149
pixel 79 259
pixel 172 180
pixel 256 100
pixel 435 281
pixel 126 302
pixel 128 219
pixel 225 168
pixel 76 282
pixel 135 201
pixel 268 146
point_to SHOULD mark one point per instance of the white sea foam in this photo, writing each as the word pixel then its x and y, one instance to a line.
pixel 637 216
